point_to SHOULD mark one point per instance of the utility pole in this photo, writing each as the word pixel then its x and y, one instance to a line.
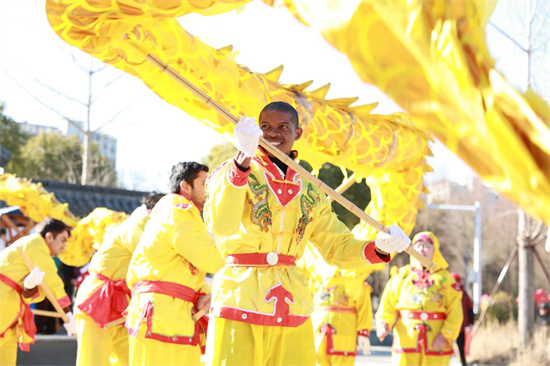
pixel 526 302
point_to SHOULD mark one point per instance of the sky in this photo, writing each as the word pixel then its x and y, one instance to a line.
pixel 152 134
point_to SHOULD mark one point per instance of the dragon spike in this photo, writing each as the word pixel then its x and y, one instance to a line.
pixel 321 92
pixel 365 108
pixel 274 74
pixel 303 86
pixel 225 50
pixel 343 102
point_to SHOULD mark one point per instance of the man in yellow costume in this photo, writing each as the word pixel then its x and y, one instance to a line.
pixel 103 295
pixel 19 286
pixel 342 318
pixel 167 272
pixel 424 307
pixel 262 214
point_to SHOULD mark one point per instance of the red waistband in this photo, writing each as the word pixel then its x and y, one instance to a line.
pixel 166 288
pixel 336 309
pixel 25 312
pixel 259 260
pixel 11 283
pixel 422 315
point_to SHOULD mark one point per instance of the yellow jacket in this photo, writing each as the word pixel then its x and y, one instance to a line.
pixel 13 267
pixel 422 304
pixel 342 303
pixel 175 250
pixel 110 264
pixel 260 211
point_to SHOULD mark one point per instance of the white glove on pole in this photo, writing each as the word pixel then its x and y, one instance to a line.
pixel 70 327
pixel 363 344
pixel 34 278
pixel 247 136
pixel 396 240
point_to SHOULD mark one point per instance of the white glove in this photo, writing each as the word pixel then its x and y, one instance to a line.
pixel 396 240
pixel 363 343
pixel 34 278
pixel 247 136
pixel 70 327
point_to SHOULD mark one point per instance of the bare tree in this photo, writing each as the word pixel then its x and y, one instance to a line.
pixel 531 41
pixel 91 99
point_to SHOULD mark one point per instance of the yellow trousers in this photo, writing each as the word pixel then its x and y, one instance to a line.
pixel 100 346
pixel 146 351
pixel 329 360
pixel 420 359
pixel 230 342
pixel 8 348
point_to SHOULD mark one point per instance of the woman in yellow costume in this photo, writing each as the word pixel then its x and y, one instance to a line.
pixel 424 307
pixel 342 317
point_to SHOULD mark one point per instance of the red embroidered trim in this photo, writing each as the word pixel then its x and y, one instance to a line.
pixel 364 332
pixel 236 176
pixel 422 315
pixel 421 344
pixel 328 330
pixel 281 315
pixel 258 260
pixel 372 256
pixel 337 309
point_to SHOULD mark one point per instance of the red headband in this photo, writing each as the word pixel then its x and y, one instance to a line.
pixel 425 237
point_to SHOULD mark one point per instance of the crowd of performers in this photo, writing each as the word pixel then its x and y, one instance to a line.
pixel 272 241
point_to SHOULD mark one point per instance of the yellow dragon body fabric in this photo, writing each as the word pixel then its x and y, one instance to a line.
pixel 431 58
pixel 388 149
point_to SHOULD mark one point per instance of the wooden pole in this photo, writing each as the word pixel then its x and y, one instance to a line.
pixel 281 156
pixel 345 185
pixel 44 287
pixel 50 314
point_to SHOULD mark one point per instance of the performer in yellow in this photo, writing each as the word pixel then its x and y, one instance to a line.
pixel 103 296
pixel 167 272
pixel 425 307
pixel 262 214
pixel 19 288
pixel 342 318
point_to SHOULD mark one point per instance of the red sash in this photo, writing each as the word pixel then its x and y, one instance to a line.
pixel 107 302
pixel 25 314
pixel 174 290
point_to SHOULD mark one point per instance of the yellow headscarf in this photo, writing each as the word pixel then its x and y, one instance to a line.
pixel 438 259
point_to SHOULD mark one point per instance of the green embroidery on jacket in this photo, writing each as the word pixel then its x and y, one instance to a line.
pixel 307 203
pixel 260 214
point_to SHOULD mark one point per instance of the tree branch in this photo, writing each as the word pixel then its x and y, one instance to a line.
pixel 59 93
pixel 113 118
pixel 37 99
pixel 508 36
pixel 105 87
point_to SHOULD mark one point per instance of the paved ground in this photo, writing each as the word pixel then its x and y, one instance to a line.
pixel 381 355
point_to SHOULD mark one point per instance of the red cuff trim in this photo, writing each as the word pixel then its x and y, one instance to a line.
pixel 374 257
pixel 64 301
pixel 363 332
pixel 236 176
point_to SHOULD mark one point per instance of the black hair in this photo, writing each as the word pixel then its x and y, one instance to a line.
pixel 185 171
pixel 2 231
pixel 151 199
pixel 282 107
pixel 53 226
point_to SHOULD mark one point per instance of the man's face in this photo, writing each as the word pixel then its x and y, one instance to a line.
pixel 56 244
pixel 280 129
pixel 425 248
pixel 196 193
